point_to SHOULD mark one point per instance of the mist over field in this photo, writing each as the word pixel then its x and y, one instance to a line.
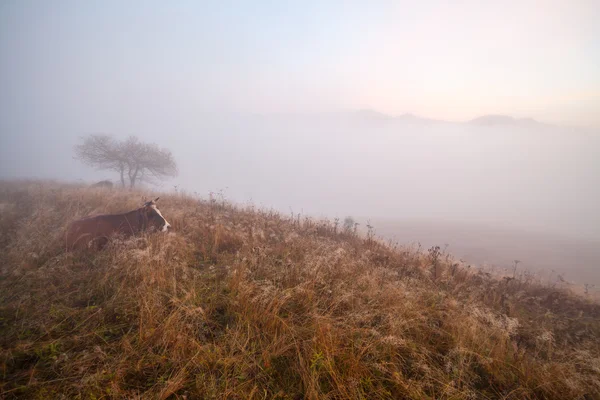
pixel 294 108
pixel 541 178
pixel 502 180
pixel 300 200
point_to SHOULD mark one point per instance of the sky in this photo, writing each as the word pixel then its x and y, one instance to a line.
pixel 444 60
pixel 259 99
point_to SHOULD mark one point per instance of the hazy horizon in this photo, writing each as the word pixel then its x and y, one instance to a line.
pixel 278 103
pixel 452 62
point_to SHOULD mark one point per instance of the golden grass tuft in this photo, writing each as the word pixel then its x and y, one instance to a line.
pixel 249 304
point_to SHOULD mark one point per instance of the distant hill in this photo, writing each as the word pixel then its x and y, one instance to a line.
pixel 494 120
pixel 415 119
pixel 368 114
pixel 485 120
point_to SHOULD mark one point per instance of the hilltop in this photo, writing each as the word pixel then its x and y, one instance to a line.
pixel 493 120
pixel 240 302
pixel 482 121
pixel 373 116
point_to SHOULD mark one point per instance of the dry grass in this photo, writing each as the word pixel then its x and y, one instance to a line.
pixel 248 304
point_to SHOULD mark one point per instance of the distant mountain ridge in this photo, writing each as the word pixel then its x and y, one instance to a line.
pixel 484 120
pixel 368 115
pixel 495 119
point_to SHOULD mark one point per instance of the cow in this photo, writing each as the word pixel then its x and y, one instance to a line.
pixel 103 184
pixel 94 231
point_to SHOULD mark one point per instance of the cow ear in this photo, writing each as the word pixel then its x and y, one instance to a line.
pixel 156 199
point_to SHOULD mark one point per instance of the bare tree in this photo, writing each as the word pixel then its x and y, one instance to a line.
pixel 135 161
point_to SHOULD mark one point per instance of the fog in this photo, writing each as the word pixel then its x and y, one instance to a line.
pixel 311 132
pixel 539 178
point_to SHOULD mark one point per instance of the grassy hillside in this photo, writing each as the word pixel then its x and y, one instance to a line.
pixel 242 303
pixel 548 254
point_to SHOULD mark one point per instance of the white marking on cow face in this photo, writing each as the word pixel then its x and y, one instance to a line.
pixel 166 226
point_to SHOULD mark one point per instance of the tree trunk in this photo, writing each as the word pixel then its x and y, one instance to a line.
pixel 122 177
pixel 133 178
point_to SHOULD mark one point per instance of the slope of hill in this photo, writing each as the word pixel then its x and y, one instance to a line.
pixel 246 303
pixel 492 120
pixel 484 120
pixel 551 256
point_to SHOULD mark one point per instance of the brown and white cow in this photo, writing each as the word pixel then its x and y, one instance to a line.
pixel 95 231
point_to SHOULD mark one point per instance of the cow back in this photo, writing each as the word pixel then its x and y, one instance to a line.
pixel 99 228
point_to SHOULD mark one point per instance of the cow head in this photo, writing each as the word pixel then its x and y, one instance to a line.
pixel 154 216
